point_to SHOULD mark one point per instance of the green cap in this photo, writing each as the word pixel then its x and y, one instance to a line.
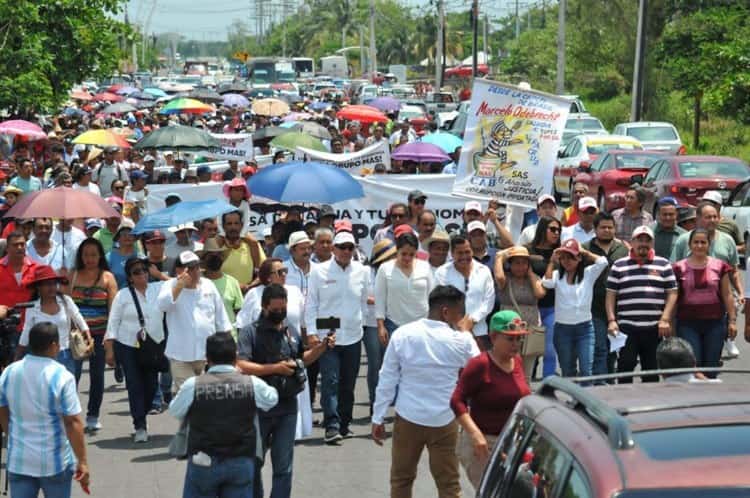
pixel 502 320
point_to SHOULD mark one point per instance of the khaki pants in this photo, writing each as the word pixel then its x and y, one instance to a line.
pixel 408 441
pixel 183 370
pixel 472 466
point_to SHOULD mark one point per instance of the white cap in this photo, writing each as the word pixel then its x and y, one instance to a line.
pixel 586 202
pixel 476 225
pixel 713 196
pixel 544 198
pixel 148 158
pixel 643 229
pixel 184 226
pixel 472 206
pixel 167 153
pixel 188 257
pixel 299 237
pixel 344 238
pixel 266 232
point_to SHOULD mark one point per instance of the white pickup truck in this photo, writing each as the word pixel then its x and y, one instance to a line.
pixel 737 208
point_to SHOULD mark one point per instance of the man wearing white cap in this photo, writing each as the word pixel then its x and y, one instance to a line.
pixel 338 288
pixel 183 240
pixel 583 231
pixel 726 225
pixel 300 249
pixel 545 206
pixel 194 310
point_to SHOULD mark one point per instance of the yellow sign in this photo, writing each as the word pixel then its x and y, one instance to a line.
pixel 242 56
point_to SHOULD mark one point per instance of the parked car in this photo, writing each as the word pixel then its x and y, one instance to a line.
pixel 441 102
pixel 687 178
pixel 581 151
pixel 576 104
pixel 653 135
pixel 737 208
pixel 586 124
pixel 610 176
pixel 458 124
pixel 641 440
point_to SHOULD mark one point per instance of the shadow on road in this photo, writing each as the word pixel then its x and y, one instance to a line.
pixel 126 443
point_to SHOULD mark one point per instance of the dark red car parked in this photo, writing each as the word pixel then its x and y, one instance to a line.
pixel 610 176
pixel 687 178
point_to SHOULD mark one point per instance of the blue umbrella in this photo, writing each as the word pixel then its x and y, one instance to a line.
pixel 319 106
pixel 311 182
pixel 183 212
pixel 385 104
pixel 235 100
pixel 446 141
pixel 158 92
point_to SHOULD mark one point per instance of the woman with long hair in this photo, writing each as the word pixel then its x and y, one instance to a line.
pixel 546 240
pixel 93 288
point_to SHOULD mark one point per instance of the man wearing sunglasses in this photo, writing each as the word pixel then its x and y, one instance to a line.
pixel 399 215
pixel 338 288
pixel 417 200
pixel 108 171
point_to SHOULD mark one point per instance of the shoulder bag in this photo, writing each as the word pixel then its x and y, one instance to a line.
pixel 149 353
pixel 533 345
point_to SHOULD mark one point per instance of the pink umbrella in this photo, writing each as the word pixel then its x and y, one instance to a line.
pixel 296 116
pixel 22 128
pixel 421 152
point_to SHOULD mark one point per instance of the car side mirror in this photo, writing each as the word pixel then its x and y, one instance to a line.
pixel 560 153
pixel 637 179
pixel 584 167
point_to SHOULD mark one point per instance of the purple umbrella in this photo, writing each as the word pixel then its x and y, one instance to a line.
pixel 235 100
pixel 385 104
pixel 421 152
pixel 126 90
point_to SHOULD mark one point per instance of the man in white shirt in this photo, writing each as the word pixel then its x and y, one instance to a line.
pixel 69 237
pixel 300 249
pixel 44 250
pixel 421 365
pixel 108 171
pixel 545 206
pixel 584 230
pixel 404 134
pixel 475 280
pixel 338 288
pixel 183 240
pixel 194 310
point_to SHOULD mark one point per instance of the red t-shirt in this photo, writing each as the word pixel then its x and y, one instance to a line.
pixel 700 289
pixel 489 393
pixel 12 292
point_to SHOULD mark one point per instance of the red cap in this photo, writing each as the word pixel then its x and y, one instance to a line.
pixel 249 170
pixel 343 226
pixel 571 246
pixel 402 229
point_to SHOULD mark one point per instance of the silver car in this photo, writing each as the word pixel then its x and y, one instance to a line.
pixel 653 135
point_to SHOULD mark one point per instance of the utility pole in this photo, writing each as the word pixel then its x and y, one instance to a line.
pixel 373 51
pixel 439 47
pixel 528 16
pixel 560 82
pixel 361 50
pixel 518 22
pixel 284 15
pixel 484 41
pixel 475 34
pixel 640 54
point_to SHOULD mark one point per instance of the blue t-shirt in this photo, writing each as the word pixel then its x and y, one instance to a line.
pixel 116 263
pixel 33 184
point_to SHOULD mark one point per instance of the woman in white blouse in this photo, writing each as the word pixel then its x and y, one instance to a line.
pixel 402 287
pixel 52 306
pixel 121 339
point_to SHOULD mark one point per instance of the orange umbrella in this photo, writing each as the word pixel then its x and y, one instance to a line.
pixel 103 138
pixel 80 95
pixel 107 96
pixel 363 113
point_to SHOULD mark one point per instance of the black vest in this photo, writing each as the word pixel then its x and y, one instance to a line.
pixel 222 415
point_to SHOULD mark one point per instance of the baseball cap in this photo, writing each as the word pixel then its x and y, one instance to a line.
pixel 641 230
pixel 148 158
pixel 685 213
pixel 472 206
pixel 183 226
pixel 154 236
pixel 476 225
pixel 343 226
pixel 508 322
pixel 344 238
pixel 188 258
pixel 571 246
pixel 93 223
pixel 713 196
pixel 299 237
pixel 202 170
pixel 668 201
pixel 401 230
pixel 586 203
pixel 137 175
pixel 326 210
pixel 544 198
pixel 416 194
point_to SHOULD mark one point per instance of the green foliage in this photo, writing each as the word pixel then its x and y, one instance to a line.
pixel 48 46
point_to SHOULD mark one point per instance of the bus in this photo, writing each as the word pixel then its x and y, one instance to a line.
pixel 261 71
pixel 304 67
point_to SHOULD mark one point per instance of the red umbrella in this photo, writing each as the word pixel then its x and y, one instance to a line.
pixel 107 96
pixel 362 113
pixel 80 95
pixel 21 128
pixel 62 203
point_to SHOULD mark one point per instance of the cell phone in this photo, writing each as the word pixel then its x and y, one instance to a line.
pixel 330 323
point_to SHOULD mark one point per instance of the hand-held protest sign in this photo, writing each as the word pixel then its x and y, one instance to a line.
pixel 237 146
pixel 360 163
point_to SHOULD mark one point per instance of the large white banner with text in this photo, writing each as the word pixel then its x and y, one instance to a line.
pixel 237 146
pixel 360 163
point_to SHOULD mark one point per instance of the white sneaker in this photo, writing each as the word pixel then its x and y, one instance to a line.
pixel 141 436
pixel 730 349
pixel 93 424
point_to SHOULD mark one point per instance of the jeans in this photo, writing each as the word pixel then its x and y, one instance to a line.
pixel 163 394
pixel 338 369
pixel 224 478
pixel 141 384
pixel 375 352
pixel 54 486
pixel 66 358
pixel 601 346
pixel 277 434
pixel 640 343
pixel 96 376
pixel 707 339
pixel 575 342
pixel 550 356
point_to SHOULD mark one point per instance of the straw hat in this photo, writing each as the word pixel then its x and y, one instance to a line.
pixel 382 251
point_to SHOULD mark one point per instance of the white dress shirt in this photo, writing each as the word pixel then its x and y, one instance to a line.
pixel 68 311
pixel 479 290
pixel 251 307
pixel 577 232
pixel 527 235
pixel 91 187
pixel 573 301
pixel 54 257
pixel 123 325
pixel 195 315
pixel 420 371
pixel 402 298
pixel 73 239
pixel 296 275
pixel 337 292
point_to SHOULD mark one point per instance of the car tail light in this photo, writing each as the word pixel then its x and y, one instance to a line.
pixel 674 189
pixel 682 150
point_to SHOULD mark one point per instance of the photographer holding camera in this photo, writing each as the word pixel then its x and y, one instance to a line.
pixel 269 349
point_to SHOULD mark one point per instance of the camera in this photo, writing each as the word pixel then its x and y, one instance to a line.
pixel 300 374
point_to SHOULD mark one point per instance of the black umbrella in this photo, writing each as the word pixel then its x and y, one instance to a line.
pixel 269 133
pixel 205 95
pixel 142 96
pixel 177 137
pixel 232 88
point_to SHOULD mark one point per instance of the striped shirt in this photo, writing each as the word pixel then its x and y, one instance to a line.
pixel 641 290
pixel 38 392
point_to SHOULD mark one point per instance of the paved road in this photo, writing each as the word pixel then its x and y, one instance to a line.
pixel 121 469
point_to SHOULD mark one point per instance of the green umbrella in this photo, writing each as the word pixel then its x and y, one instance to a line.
pixel 178 137
pixel 292 140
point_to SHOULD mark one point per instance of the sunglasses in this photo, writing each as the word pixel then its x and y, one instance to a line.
pixel 157 241
pixel 281 272
pixel 398 216
pixel 118 188
pixel 554 229
pixel 419 201
pixel 516 325
pixel 345 247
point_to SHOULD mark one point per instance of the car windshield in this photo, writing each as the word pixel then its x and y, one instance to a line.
pixel 628 161
pixel 695 442
pixel 584 124
pixel 653 133
pixel 735 492
pixel 601 148
pixel 708 169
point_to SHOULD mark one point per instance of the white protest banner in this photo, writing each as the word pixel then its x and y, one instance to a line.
pixel 360 163
pixel 237 146
pixel 510 144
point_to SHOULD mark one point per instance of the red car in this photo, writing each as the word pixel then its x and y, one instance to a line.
pixel 610 176
pixel 687 178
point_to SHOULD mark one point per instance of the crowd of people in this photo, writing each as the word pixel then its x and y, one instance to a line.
pixel 455 326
